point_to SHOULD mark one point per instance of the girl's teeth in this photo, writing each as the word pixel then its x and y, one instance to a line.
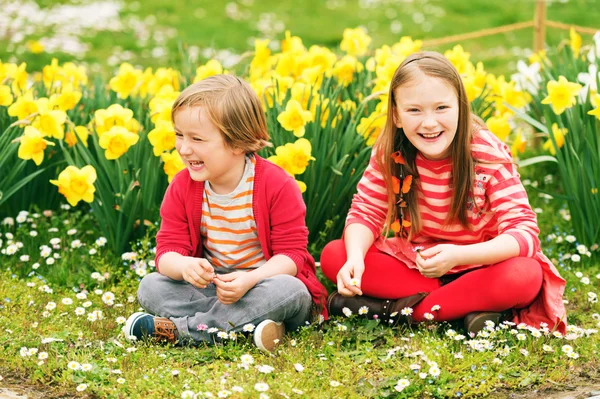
pixel 430 136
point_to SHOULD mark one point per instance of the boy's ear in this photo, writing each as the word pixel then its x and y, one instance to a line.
pixel 238 151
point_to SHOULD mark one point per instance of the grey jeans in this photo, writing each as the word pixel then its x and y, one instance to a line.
pixel 279 298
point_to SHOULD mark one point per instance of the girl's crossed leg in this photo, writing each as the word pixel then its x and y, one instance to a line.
pixel 513 283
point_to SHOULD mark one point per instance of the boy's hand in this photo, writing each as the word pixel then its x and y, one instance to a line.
pixel 437 261
pixel 197 271
pixel 232 286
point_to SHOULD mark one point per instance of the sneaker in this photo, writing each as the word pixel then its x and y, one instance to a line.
pixel 268 334
pixel 143 325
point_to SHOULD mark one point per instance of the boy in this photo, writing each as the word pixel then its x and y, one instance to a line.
pixel 231 250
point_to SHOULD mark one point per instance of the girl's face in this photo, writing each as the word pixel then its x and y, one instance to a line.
pixel 204 151
pixel 427 110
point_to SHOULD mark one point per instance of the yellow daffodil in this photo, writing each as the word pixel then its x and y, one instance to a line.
pixel 75 74
pixel 76 184
pixel 35 47
pixel 518 145
pixel 52 74
pixel 292 44
pixel 575 42
pixel 385 71
pixel 162 137
pixel 498 124
pixel 595 112
pixel 313 76
pixel 595 100
pixel 115 115
pixel 286 64
pixel 160 105
pixel 50 122
pixel 562 94
pixel 471 88
pixel 127 80
pixel 355 42
pixel 321 57
pixel 32 145
pixel 507 92
pixel 261 62
pixel 67 99
pixel 117 141
pixel 480 75
pixel 345 69
pixel 539 57
pixel 559 137
pixel 264 90
pixel 302 93
pixel 145 79
pixel 283 84
pixel 370 128
pixel 459 58
pixel 211 68
pixel 163 77
pixel 173 163
pixel 294 118
pixel 406 46
pixel 297 154
pixel 325 110
pixel 23 107
pixel 81 133
pixel 370 64
pixel 301 185
pixel 6 97
pixel 19 77
pixel 283 163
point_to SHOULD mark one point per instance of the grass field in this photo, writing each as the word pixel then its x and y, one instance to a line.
pixel 152 32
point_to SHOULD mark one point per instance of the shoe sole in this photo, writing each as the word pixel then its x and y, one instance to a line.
pixel 478 322
pixel 266 334
pixel 127 328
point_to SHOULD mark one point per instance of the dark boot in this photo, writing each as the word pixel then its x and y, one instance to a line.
pixel 475 321
pixel 386 309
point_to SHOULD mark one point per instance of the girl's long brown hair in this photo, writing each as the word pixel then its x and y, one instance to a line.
pixel 393 139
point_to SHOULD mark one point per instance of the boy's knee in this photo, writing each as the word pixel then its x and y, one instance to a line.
pixel 149 286
pixel 285 287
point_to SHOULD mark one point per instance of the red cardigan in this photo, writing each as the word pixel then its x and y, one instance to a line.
pixel 279 212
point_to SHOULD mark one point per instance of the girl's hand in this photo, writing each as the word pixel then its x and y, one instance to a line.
pixel 349 277
pixel 437 261
pixel 197 271
pixel 232 286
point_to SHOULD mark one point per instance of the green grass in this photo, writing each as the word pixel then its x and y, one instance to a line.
pixel 206 25
pixel 365 357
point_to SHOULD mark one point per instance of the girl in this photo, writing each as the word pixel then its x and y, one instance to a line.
pixel 231 250
pixel 466 240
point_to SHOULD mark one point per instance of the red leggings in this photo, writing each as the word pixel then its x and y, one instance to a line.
pixel 511 284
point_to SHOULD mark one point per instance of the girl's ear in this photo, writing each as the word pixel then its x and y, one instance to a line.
pixel 396 117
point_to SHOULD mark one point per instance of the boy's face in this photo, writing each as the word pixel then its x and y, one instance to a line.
pixel 204 151
pixel 427 110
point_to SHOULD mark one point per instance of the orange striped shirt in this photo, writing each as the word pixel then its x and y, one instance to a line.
pixel 228 228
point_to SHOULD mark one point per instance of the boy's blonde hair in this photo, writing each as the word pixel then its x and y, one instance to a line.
pixel 232 106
